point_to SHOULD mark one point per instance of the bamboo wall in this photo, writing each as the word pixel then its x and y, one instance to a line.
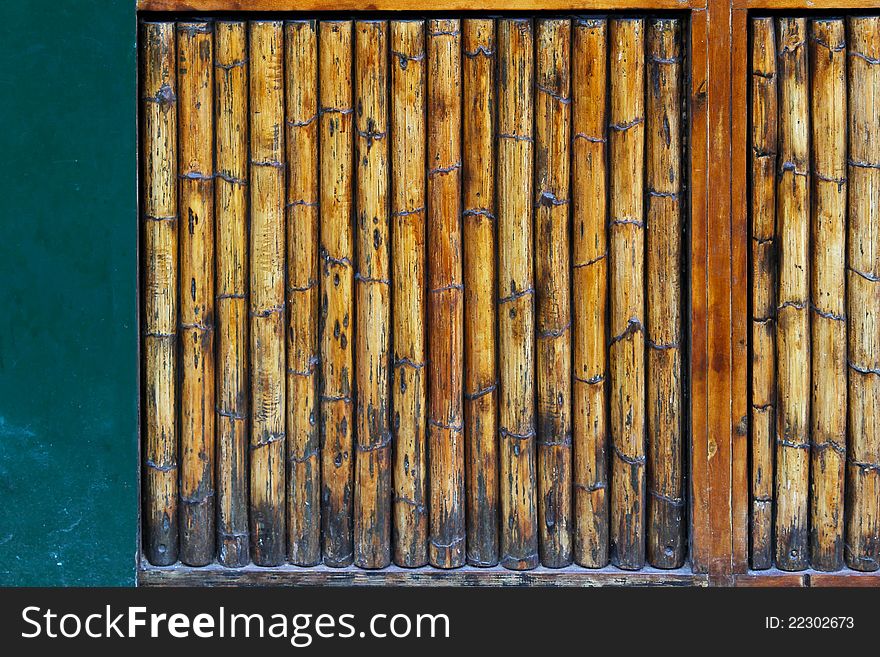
pixel 815 198
pixel 413 293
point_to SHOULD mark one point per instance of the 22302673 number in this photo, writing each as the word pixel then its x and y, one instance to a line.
pixel 809 623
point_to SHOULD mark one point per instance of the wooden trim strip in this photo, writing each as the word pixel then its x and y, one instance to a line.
pixel 407 5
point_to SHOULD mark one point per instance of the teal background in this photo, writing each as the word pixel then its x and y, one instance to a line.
pixel 68 309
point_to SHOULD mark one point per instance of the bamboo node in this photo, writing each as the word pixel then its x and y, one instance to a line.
pixel 827 314
pixel 868 59
pixel 863 370
pixel 635 461
pixel 505 433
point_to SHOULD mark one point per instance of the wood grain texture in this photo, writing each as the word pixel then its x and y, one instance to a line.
pixel 231 267
pixel 516 294
pixel 408 278
pixel 159 222
pixel 445 5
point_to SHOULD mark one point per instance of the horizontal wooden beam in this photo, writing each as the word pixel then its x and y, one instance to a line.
pixel 805 4
pixel 810 578
pixel 407 5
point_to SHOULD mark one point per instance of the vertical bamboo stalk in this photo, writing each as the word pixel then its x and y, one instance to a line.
pixel 828 291
pixel 665 530
pixel 516 332
pixel 764 113
pixel 478 216
pixel 267 237
pixel 230 207
pixel 303 432
pixel 863 262
pixel 552 313
pixel 159 111
pixel 626 351
pixel 445 301
pixel 336 285
pixel 589 280
pixel 792 331
pixel 372 493
pixel 408 291
pixel 195 71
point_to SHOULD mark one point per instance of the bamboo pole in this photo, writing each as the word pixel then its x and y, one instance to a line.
pixel 446 547
pixel 516 336
pixel 372 493
pixel 159 219
pixel 863 262
pixel 552 272
pixel 792 331
pixel 665 528
pixel 303 431
pixel 408 291
pixel 828 291
pixel 336 285
pixel 230 207
pixel 763 201
pixel 267 237
pixel 478 216
pixel 626 351
pixel 195 69
pixel 589 284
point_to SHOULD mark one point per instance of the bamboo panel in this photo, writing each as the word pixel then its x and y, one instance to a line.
pixel 589 283
pixel 159 219
pixel 195 74
pixel 516 331
pixel 552 293
pixel 665 451
pixel 336 285
pixel 446 547
pixel 626 352
pixel 408 292
pixel 303 430
pixel 267 299
pixel 372 490
pixel 478 237
pixel 230 209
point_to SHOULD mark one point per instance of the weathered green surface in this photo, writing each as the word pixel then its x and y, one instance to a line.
pixel 68 364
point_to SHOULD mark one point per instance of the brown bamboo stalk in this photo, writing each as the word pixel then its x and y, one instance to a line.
pixel 408 291
pixel 763 202
pixel 589 285
pixel 303 431
pixel 516 332
pixel 552 272
pixel 336 285
pixel 446 547
pixel 665 529
pixel 478 216
pixel 626 352
pixel 828 291
pixel 230 207
pixel 372 492
pixel 267 245
pixel 793 323
pixel 863 260
pixel 159 208
pixel 195 71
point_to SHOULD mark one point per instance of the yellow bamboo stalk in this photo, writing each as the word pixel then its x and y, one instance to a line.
pixel 665 530
pixel 408 291
pixel 267 246
pixel 792 332
pixel 372 492
pixel 230 207
pixel 336 285
pixel 552 272
pixel 828 291
pixel 863 261
pixel 303 431
pixel 763 202
pixel 626 352
pixel 195 69
pixel 589 283
pixel 478 217
pixel 516 332
pixel 446 547
pixel 159 217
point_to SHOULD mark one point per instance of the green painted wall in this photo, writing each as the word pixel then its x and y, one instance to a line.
pixel 68 334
